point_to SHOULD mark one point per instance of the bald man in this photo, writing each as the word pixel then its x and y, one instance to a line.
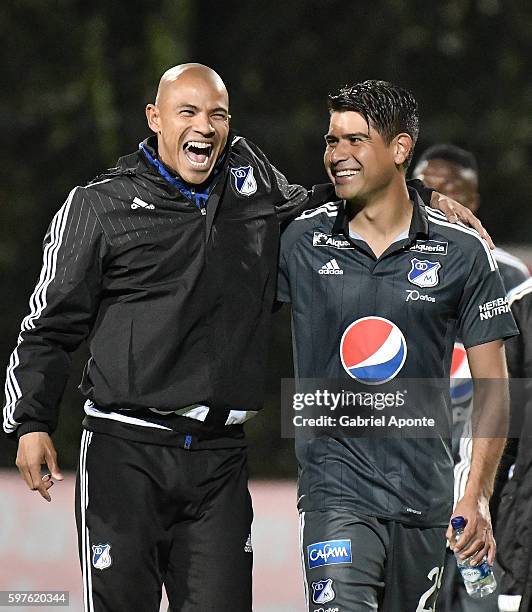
pixel 167 263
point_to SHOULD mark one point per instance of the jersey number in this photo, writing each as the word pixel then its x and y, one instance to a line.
pixel 435 574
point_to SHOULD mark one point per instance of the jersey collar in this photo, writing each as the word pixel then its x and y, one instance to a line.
pixel 419 226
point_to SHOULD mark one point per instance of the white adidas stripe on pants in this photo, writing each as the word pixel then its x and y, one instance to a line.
pixel 302 551
pixel 88 604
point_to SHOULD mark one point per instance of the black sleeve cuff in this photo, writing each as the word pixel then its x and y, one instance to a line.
pixel 425 193
pixel 31 426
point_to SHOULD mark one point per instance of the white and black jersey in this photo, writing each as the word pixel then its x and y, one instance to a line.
pixel 175 297
pixel 374 319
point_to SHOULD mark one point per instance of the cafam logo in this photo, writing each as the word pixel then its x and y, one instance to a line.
pixel 330 552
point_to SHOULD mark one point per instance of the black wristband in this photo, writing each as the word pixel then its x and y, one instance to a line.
pixel 30 427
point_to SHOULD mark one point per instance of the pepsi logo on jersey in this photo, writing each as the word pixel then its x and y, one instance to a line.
pixel 373 350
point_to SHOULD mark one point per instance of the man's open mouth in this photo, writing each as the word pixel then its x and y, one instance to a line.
pixel 198 153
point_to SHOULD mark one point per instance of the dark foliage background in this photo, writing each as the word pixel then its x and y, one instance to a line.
pixel 77 75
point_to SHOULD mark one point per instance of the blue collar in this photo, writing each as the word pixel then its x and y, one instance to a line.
pixel 198 197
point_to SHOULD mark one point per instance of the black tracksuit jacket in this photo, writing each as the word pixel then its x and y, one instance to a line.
pixel 175 299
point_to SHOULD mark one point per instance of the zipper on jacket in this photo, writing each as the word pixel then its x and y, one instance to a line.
pixel 202 209
pixel 188 442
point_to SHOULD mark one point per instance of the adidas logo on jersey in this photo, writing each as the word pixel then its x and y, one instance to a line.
pixel 138 203
pixel 331 267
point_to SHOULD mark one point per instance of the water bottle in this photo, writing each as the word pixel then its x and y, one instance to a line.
pixel 478 579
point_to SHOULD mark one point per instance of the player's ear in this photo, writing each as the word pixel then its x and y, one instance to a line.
pixel 402 145
pixel 152 115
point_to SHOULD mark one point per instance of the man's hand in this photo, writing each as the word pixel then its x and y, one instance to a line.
pixel 34 449
pixel 455 212
pixel 477 538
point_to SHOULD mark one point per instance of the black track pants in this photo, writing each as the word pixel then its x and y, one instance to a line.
pixel 149 514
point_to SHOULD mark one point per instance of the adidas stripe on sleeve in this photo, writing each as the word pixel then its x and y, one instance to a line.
pixel 61 311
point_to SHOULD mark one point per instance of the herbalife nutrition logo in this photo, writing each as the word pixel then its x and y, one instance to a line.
pixel 331 267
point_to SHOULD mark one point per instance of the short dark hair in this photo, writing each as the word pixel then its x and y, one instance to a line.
pixel 451 153
pixel 390 109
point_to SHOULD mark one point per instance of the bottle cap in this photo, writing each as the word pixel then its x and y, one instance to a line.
pixel 458 522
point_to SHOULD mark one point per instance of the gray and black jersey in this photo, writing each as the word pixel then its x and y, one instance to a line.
pixel 373 319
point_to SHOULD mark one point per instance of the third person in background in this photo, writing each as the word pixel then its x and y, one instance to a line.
pixel 454 172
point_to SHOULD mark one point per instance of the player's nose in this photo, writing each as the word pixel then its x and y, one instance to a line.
pixel 203 124
pixel 339 153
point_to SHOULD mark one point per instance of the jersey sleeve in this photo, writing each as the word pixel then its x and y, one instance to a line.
pixel 62 310
pixel 483 313
pixel 283 282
